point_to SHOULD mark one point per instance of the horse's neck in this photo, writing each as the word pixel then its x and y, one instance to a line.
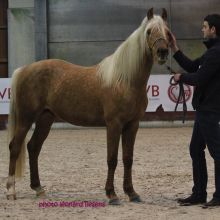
pixel 140 56
pixel 141 78
pixel 130 65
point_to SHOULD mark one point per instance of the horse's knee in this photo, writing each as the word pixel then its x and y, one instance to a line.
pixel 127 162
pixel 112 163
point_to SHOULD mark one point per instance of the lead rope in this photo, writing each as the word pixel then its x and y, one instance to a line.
pixel 181 94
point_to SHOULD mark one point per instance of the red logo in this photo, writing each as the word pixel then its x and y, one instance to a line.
pixel 173 93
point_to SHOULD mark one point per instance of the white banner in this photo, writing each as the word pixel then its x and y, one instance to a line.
pixel 159 92
pixel 5 93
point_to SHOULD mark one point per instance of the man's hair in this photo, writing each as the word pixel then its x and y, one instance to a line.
pixel 214 20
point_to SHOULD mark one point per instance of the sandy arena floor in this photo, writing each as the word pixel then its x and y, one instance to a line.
pixel 73 169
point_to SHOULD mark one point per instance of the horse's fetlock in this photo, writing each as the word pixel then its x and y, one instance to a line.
pixel 35 186
pixel 109 191
pixel 128 189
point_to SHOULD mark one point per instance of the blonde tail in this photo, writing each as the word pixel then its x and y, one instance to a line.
pixel 20 163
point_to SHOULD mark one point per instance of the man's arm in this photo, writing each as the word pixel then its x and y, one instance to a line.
pixel 186 63
pixel 209 68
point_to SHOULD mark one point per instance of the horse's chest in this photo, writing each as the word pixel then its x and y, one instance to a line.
pixel 131 106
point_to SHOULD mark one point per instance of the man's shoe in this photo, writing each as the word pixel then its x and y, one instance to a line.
pixel 192 200
pixel 212 203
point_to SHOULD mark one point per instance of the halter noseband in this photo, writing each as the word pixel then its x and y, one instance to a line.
pixel 158 39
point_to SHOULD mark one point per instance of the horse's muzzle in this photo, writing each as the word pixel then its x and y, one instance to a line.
pixel 162 54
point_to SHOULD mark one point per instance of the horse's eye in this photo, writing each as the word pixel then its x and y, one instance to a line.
pixel 148 31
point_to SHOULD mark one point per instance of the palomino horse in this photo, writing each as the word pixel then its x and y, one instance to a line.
pixel 111 93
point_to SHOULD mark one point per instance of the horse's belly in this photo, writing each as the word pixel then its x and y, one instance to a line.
pixel 83 120
pixel 81 115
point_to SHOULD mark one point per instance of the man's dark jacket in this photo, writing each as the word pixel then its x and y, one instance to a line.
pixel 204 74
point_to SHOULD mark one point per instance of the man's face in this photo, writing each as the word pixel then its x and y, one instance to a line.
pixel 207 31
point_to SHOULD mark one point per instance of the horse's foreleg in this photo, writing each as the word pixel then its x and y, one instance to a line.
pixel 15 148
pixel 43 125
pixel 128 139
pixel 113 137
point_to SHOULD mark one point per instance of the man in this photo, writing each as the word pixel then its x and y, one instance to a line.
pixel 204 74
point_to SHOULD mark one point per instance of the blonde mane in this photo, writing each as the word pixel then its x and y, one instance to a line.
pixel 121 66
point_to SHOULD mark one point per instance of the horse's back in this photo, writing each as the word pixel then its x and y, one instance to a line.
pixel 70 91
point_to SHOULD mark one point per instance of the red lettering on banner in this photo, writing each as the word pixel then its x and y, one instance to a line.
pixel 5 92
pixel 2 95
pixel 154 90
pixel 9 93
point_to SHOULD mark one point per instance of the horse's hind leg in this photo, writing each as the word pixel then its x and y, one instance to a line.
pixel 15 148
pixel 113 137
pixel 128 139
pixel 43 125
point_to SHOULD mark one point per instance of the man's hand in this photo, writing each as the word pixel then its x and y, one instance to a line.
pixel 176 77
pixel 172 42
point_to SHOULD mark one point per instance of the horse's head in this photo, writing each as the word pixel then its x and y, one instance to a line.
pixel 156 32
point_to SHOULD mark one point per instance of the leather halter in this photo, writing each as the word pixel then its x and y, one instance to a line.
pixel 158 39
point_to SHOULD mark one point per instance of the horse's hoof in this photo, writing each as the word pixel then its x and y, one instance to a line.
pixel 114 202
pixel 41 194
pixel 40 191
pixel 136 199
pixel 11 197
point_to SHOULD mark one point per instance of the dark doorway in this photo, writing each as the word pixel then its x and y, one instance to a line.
pixel 3 39
pixel 3 49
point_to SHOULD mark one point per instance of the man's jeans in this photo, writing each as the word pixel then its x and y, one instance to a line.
pixel 206 132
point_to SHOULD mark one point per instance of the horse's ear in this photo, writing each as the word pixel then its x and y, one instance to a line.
pixel 164 14
pixel 150 13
